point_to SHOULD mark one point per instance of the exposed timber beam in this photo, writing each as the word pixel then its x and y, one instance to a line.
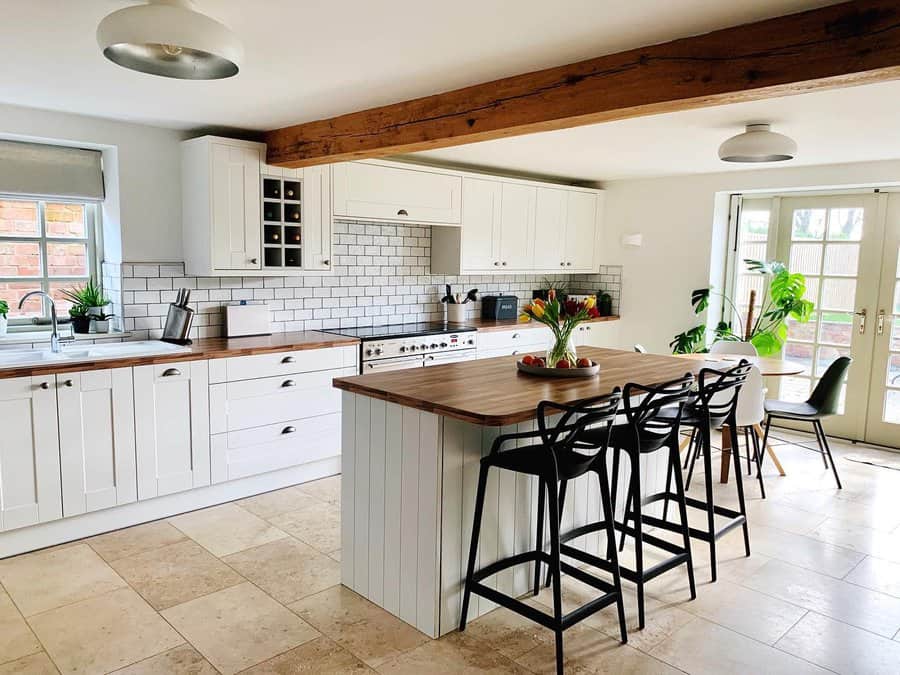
pixel 842 45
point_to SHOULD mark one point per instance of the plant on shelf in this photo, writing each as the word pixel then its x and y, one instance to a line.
pixel 81 322
pixel 560 287
pixel 767 330
pixel 561 318
pixel 101 322
pixel 90 296
pixel 4 313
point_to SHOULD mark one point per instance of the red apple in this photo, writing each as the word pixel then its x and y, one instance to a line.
pixel 539 362
pixel 584 363
pixel 563 363
pixel 528 360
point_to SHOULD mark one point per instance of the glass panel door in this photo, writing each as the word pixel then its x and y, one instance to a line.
pixel 835 242
pixel 883 425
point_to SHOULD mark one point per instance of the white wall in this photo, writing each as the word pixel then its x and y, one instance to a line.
pixel 142 167
pixel 680 217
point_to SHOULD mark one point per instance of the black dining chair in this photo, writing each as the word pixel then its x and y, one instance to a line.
pixel 823 402
pixel 648 423
pixel 557 452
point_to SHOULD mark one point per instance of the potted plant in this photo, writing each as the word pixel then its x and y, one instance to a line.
pixel 81 322
pixel 4 312
pixel 90 297
pixel 561 318
pixel 767 331
pixel 560 288
pixel 101 322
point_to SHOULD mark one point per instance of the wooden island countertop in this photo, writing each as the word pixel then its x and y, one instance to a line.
pixel 492 392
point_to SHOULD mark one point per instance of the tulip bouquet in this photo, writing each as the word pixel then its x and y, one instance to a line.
pixel 561 318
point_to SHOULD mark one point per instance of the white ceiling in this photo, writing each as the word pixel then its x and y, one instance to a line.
pixel 311 59
pixel 842 125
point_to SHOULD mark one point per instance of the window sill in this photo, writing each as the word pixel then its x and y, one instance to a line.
pixel 43 336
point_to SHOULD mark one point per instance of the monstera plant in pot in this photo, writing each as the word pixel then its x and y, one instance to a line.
pixel 766 329
pixel 4 313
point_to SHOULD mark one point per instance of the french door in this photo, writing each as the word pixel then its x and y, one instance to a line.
pixel 847 247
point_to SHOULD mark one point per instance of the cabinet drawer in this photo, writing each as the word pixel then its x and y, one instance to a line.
pixel 513 339
pixel 376 191
pixel 270 400
pixel 277 446
pixel 236 368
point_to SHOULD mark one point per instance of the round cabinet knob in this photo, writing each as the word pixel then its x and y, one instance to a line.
pixel 496 263
pixel 290 193
pixel 562 264
pixel 326 262
pixel 568 264
pixel 254 261
pixel 296 215
pixel 44 385
pixel 503 263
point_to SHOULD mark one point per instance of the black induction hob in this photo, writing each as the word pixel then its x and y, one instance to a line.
pixel 400 330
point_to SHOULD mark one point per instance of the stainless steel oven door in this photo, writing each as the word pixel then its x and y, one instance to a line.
pixel 449 357
pixel 384 365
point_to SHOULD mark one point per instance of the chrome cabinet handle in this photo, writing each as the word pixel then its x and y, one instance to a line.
pixel 515 336
pixel 862 320
pixel 402 212
pixel 288 383
pixel 288 359
pixel 171 372
pixel 496 263
pixel 568 264
pixel 562 264
pixel 880 324
pixel 68 383
pixel 503 263
pixel 44 385
pixel 289 430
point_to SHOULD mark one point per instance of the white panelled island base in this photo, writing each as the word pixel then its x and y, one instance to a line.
pixel 408 499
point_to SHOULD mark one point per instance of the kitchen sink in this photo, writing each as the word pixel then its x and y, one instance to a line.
pixel 72 354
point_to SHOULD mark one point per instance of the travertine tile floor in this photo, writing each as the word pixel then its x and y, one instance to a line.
pixel 253 586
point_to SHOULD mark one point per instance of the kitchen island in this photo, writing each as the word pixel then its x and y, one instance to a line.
pixel 411 445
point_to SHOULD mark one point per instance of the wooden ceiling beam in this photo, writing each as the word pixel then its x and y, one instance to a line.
pixel 841 45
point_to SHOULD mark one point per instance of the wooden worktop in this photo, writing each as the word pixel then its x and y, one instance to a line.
pixel 488 325
pixel 492 392
pixel 202 349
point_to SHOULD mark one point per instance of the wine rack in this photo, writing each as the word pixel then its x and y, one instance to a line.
pixel 282 210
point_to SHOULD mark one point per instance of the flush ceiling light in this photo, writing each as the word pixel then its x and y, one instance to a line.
pixel 169 38
pixel 758 144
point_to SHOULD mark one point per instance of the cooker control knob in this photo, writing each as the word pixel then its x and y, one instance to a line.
pixel 434 345
pixel 368 352
pixel 470 341
pixel 377 351
pixel 424 347
pixel 402 349
pixel 443 344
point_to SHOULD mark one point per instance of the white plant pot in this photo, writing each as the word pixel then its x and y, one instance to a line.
pixel 96 311
pixel 101 326
pixel 3 324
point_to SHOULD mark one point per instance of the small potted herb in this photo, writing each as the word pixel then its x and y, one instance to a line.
pixel 90 297
pixel 101 322
pixel 81 322
pixel 4 311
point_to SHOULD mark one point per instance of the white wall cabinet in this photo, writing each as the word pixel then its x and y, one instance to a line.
pixel 30 487
pixel 96 439
pixel 172 427
pixel 513 226
pixel 317 218
pixel 394 192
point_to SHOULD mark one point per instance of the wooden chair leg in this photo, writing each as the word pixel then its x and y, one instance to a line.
pixel 726 454
pixel 768 449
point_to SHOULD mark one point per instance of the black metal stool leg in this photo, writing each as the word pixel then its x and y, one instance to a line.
pixel 682 514
pixel 756 454
pixel 817 427
pixel 629 510
pixel 554 516
pixel 611 553
pixel 765 441
pixel 638 535
pixel 562 504
pixel 665 513
pixel 747 443
pixel 695 450
pixel 706 442
pixel 837 478
pixel 739 480
pixel 539 537
pixel 687 457
pixel 473 547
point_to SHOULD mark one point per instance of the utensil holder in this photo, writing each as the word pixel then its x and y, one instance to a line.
pixel 178 324
pixel 456 313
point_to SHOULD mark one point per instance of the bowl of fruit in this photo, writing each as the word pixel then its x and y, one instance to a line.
pixel 537 365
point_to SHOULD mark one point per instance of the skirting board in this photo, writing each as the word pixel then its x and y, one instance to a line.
pixel 89 524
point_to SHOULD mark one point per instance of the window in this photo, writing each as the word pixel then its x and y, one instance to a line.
pixel 46 245
pixel 751 243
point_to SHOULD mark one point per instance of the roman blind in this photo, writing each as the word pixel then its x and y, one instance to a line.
pixel 38 170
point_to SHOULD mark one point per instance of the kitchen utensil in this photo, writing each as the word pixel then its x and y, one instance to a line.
pixel 472 295
pixel 178 321
pixel 450 294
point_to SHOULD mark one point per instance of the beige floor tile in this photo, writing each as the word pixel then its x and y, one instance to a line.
pixel 183 660
pixel 335 555
pixel 837 599
pixel 865 540
pixel 239 627
pixel 455 653
pixel 768 513
pixel 318 525
pixel 509 633
pixel 703 647
pixel 48 579
pixel 287 569
pixel 803 551
pixel 16 638
pixel 353 622
pixel 226 529
pixel 277 502
pixel 877 575
pixel 103 633
pixel 35 664
pixel 325 489
pixel 176 573
pixel 841 647
pixel 589 652
pixel 316 656
pixel 134 540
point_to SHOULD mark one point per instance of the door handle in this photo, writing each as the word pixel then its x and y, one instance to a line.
pixel 68 383
pixel 289 430
pixel 171 372
pixel 879 327
pixel 862 321
pixel 288 359
pixel 402 212
pixel 44 385
pixel 288 383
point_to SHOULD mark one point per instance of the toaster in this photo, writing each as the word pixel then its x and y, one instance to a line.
pixel 499 307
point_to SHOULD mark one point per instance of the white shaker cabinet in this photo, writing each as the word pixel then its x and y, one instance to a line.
pixel 481 214
pixel 96 439
pixel 172 427
pixel 30 490
pixel 517 203
pixel 566 228
pixel 317 219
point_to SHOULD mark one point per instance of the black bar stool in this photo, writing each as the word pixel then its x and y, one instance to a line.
pixel 715 406
pixel 652 416
pixel 559 453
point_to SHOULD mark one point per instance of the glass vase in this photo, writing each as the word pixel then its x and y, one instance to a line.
pixel 561 347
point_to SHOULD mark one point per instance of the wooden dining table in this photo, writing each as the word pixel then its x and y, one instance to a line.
pixel 769 367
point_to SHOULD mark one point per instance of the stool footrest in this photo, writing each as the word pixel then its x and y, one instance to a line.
pixel 512 561
pixel 514 604
pixel 648 538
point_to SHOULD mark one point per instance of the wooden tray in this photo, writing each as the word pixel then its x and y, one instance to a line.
pixel 559 372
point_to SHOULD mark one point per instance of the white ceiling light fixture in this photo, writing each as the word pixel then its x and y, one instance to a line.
pixel 758 143
pixel 171 39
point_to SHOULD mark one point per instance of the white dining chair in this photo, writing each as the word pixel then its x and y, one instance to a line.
pixel 726 347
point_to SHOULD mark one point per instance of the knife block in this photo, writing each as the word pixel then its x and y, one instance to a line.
pixel 178 325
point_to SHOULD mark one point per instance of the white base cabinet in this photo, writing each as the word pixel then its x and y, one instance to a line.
pixel 30 483
pixel 172 427
pixel 96 439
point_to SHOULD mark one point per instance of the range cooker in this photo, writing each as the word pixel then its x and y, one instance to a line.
pixel 411 345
